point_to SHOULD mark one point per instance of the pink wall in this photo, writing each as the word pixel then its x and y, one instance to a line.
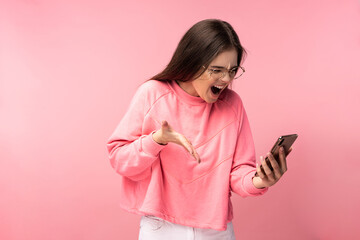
pixel 69 69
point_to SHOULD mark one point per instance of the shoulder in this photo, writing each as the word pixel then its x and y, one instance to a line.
pixel 233 100
pixel 230 96
pixel 157 84
pixel 153 86
pixel 152 90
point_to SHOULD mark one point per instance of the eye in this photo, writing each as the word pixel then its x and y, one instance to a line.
pixel 233 72
pixel 215 70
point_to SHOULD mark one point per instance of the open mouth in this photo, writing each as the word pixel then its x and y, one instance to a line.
pixel 216 90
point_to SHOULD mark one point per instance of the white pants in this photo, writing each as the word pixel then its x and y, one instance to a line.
pixel 154 228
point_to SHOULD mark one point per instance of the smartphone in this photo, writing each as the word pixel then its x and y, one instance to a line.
pixel 285 141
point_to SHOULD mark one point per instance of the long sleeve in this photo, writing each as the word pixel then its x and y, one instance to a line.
pixel 244 165
pixel 132 150
pixel 165 181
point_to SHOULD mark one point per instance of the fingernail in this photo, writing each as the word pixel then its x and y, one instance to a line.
pixel 282 149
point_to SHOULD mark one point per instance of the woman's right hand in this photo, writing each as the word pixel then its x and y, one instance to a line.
pixel 167 134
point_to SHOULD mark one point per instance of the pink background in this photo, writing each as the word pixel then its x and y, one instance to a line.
pixel 68 71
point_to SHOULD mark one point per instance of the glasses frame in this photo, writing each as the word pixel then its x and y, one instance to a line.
pixel 228 72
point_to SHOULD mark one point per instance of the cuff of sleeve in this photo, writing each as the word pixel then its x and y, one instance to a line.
pixel 150 146
pixel 250 186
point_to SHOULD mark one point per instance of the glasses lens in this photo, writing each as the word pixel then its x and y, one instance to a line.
pixel 239 73
pixel 216 73
pixel 233 74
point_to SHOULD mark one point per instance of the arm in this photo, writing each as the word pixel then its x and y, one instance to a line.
pixel 131 152
pixel 244 163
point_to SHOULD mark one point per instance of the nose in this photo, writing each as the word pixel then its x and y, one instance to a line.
pixel 226 78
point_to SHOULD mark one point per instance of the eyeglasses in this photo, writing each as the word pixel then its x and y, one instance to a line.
pixel 219 73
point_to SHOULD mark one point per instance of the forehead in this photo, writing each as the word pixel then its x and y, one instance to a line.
pixel 225 59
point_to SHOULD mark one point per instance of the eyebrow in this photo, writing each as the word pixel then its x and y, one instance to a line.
pixel 224 67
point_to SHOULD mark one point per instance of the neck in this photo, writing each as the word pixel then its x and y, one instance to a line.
pixel 184 86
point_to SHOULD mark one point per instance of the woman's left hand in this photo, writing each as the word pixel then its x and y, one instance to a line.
pixel 267 177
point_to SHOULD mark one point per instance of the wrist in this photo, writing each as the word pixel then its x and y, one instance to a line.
pixel 258 182
pixel 156 137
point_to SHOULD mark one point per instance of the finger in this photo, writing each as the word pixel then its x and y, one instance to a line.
pixel 181 140
pixel 282 160
pixel 289 151
pixel 259 171
pixel 197 157
pixel 187 145
pixel 165 124
pixel 261 167
pixel 262 161
pixel 267 170
pixel 193 151
pixel 275 165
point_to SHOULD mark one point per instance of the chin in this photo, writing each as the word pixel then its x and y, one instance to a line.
pixel 211 100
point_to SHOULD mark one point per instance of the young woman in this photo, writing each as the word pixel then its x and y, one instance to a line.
pixel 185 143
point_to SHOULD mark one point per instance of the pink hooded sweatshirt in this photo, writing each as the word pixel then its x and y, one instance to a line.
pixel 165 180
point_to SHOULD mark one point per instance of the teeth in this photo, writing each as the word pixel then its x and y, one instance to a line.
pixel 219 87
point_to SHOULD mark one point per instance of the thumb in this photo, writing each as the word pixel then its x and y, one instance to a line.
pixel 164 124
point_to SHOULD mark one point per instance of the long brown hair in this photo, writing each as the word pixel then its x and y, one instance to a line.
pixel 198 47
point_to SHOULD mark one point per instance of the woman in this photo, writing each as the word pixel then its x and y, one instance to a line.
pixel 185 143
